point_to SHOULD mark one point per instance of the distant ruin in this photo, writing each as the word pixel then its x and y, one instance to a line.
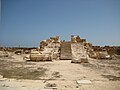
pixel 54 49
pixel 77 50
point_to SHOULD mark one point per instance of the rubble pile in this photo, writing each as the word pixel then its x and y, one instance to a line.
pixel 78 50
pixel 18 52
pixel 77 39
pixel 4 54
pixel 100 55
pixel 106 52
pixel 13 49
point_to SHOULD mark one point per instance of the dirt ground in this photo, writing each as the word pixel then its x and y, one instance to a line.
pixel 18 74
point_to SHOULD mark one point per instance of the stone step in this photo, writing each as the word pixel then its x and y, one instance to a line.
pixel 66 53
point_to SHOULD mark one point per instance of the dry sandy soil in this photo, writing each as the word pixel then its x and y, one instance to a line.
pixel 17 74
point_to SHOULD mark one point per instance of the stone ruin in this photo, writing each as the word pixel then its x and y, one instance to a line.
pixel 49 50
pixel 55 49
pixel 77 50
pixel 106 52
pixel 80 49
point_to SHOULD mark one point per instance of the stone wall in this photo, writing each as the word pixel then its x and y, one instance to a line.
pixel 76 50
pixel 49 50
pixel 77 39
pixel 79 53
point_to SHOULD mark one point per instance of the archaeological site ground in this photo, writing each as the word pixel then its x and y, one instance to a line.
pixel 60 65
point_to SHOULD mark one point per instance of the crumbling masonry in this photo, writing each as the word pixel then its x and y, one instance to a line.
pixel 77 50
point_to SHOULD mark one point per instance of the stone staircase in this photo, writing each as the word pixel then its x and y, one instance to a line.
pixel 79 53
pixel 65 52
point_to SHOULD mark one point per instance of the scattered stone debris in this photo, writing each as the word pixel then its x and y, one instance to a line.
pixel 100 55
pixel 84 82
pixel 77 50
pixel 4 54
pixel 56 74
pixel 18 52
pixel 37 75
pixel 111 77
pixel 27 57
pixel 51 86
pixel 106 52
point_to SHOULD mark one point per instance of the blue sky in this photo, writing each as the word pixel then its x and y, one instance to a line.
pixel 27 22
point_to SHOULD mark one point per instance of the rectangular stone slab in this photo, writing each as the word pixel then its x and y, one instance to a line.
pixel 84 82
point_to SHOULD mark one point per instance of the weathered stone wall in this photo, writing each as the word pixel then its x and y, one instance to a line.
pixel 77 39
pixel 80 49
pixel 79 53
pixel 77 49
pixel 50 49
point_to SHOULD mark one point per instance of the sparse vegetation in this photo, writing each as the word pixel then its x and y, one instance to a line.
pixel 11 71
